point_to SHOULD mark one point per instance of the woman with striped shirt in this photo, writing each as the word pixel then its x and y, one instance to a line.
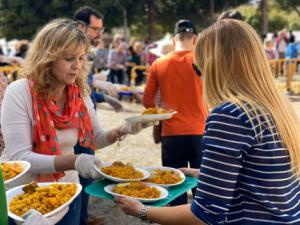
pixel 250 168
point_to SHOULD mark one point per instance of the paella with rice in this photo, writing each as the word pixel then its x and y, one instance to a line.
pixel 43 199
pixel 137 189
pixel 10 170
pixel 164 177
pixel 120 170
pixel 156 111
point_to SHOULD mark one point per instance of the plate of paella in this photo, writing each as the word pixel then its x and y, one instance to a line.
pixel 122 172
pixel 13 170
pixel 152 115
pixel 47 198
pixel 165 176
pixel 138 190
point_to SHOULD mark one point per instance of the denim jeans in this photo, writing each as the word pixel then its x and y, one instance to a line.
pixel 84 182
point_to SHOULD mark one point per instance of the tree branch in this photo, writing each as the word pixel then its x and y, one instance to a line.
pixel 296 9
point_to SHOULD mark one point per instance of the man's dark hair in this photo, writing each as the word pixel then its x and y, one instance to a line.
pixel 231 14
pixel 84 14
pixel 291 39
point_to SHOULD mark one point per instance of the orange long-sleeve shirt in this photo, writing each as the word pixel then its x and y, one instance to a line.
pixel 181 90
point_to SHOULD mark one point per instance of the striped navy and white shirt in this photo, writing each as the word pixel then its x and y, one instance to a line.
pixel 245 176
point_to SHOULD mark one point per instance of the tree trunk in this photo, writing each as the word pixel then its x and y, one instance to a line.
pixel 296 9
pixel 125 24
pixel 151 20
pixel 264 17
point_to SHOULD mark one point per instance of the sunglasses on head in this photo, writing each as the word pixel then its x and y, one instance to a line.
pixel 196 69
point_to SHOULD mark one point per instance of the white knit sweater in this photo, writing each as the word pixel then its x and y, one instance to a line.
pixel 17 128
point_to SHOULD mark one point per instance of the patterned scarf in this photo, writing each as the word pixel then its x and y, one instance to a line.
pixel 47 117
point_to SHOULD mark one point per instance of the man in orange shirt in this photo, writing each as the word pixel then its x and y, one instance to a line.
pixel 181 90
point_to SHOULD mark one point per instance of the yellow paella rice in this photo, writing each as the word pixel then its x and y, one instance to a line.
pixel 156 111
pixel 137 189
pixel 44 199
pixel 10 170
pixel 121 170
pixel 164 177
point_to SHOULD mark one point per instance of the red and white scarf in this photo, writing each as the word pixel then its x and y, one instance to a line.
pixel 47 117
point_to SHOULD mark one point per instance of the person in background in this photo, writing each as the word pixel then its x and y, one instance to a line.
pixel 269 49
pixel 22 48
pixel 49 111
pixel 132 60
pixel 271 55
pixel 281 43
pixel 150 57
pixel 93 27
pixel 138 48
pixel 291 66
pixel 117 59
pixel 135 59
pixel 291 50
pixel 250 168
pixel 100 57
pixel 180 90
pixel 3 86
pixel 118 38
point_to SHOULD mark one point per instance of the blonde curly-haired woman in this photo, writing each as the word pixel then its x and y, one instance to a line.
pixel 47 112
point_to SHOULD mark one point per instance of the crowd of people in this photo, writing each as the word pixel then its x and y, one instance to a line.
pixel 282 46
pixel 233 130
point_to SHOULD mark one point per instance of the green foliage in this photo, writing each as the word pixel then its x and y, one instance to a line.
pixel 277 20
pixel 289 5
pixel 22 18
pixel 168 12
pixel 251 15
pixel 279 17
pixel 294 23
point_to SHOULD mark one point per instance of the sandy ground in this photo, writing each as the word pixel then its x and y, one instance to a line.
pixel 139 150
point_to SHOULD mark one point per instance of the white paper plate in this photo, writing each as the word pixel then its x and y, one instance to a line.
pixel 116 179
pixel 10 194
pixel 163 193
pixel 181 174
pixel 24 164
pixel 150 117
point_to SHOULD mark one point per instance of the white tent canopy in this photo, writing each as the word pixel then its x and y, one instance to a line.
pixel 158 50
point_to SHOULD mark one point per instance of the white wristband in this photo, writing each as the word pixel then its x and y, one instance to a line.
pixel 143 213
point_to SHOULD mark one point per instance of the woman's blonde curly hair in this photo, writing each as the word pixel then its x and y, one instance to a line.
pixel 50 44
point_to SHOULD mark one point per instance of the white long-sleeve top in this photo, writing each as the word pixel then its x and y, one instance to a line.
pixel 17 128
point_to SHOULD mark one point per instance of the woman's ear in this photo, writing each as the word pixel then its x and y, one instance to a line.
pixel 194 40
